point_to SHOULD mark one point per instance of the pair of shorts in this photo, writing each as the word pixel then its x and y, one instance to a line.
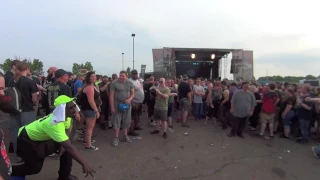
pixel 121 119
pixel 267 118
pixel 89 114
pixel 286 122
pixel 160 115
pixel 170 109
pixel 184 104
pixel 136 111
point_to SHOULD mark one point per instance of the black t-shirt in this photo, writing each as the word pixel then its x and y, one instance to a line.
pixel 104 94
pixel 258 97
pixel 183 90
pixel 304 113
pixel 57 89
pixel 70 82
pixel 8 77
pixel 146 88
pixel 27 87
pixel 291 100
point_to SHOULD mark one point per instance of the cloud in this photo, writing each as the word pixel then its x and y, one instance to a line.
pixel 61 32
pixel 296 64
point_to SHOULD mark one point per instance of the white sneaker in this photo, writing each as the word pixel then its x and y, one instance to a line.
pixel 152 123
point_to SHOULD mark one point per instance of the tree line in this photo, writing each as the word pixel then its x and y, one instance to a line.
pixel 287 78
pixel 36 66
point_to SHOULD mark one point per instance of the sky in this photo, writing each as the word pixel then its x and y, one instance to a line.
pixel 283 35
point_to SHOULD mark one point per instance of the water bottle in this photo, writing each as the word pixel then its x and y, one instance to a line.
pixel 137 138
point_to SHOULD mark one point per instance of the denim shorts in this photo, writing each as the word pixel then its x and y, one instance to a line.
pixel 89 113
pixel 287 119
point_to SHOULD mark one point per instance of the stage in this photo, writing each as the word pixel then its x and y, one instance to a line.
pixel 200 62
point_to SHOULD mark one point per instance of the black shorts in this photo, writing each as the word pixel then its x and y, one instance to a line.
pixel 170 109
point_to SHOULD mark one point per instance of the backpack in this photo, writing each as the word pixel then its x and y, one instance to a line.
pixel 79 96
pixel 268 105
pixel 11 101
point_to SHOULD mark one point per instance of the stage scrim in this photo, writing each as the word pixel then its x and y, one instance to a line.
pixel 242 65
pixel 163 64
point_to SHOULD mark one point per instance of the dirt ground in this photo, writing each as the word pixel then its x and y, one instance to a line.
pixel 205 153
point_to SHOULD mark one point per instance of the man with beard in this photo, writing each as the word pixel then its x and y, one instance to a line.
pixel 136 103
pixel 105 102
pixel 50 79
pixel 54 90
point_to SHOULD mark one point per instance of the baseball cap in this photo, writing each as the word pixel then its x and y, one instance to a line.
pixel 60 72
pixel 63 99
pixel 134 71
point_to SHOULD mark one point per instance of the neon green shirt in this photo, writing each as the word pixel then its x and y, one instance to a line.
pixel 42 130
pixel 97 83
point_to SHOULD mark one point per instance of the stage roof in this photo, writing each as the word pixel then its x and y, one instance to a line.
pixel 202 49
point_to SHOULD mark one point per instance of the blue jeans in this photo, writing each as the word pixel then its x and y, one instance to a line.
pixel 305 128
pixel 287 119
pixel 197 110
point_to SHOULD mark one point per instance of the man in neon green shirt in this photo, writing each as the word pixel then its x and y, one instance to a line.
pixel 45 136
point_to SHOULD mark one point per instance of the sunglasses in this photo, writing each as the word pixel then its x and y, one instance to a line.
pixel 75 107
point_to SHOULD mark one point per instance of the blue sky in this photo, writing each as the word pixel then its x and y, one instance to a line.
pixel 282 34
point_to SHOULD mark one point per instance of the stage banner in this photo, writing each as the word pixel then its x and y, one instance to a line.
pixel 242 65
pixel 162 62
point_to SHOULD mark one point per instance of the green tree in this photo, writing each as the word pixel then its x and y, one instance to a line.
pixel 6 65
pixel 128 71
pixel 37 66
pixel 309 77
pixel 77 67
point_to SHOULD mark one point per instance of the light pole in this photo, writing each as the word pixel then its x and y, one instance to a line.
pixel 122 61
pixel 133 35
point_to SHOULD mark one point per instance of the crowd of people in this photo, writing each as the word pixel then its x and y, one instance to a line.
pixel 117 103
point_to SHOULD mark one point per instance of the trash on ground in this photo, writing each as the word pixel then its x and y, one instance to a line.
pixel 137 138
pixel 223 147
pixel 212 144
pixel 186 133
pixel 175 167
pixel 280 157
